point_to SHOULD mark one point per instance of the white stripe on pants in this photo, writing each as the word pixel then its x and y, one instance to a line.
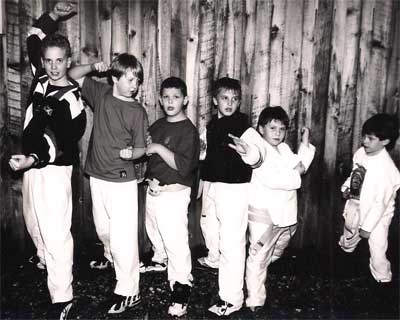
pixel 210 225
pixel 231 202
pixel 257 264
pixel 115 214
pixel 167 228
pixel 47 211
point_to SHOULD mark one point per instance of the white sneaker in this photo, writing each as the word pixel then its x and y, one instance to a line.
pixel 207 263
pixel 142 267
pixel 223 308
pixel 156 266
pixel 177 309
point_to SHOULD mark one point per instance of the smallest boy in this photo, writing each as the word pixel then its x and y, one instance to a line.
pixel 174 154
pixel 370 192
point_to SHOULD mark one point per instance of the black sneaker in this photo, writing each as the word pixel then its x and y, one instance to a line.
pixel 179 300
pixel 120 303
pixel 60 310
pixel 101 264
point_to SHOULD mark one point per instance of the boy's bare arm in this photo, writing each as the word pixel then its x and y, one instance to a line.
pixel 79 72
pixel 167 155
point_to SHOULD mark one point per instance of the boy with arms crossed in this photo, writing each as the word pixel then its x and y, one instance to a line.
pixel 273 198
pixel 54 123
pixel 371 192
pixel 119 131
pixel 173 159
pixel 227 196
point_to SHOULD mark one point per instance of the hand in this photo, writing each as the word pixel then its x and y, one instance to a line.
pixel 239 145
pixel 100 66
pixel 300 168
pixel 63 8
pixel 126 153
pixel 364 234
pixel 20 162
pixel 305 135
pixel 346 193
pixel 152 148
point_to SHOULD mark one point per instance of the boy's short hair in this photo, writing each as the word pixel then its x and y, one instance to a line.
pixel 273 113
pixel 56 40
pixel 174 82
pixel 227 84
pixel 177 83
pixel 383 126
pixel 124 61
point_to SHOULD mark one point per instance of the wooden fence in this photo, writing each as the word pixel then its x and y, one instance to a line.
pixel 330 63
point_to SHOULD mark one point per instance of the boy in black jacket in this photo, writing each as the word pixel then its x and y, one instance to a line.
pixel 54 123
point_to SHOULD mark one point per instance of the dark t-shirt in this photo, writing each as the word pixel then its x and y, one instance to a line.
pixel 117 124
pixel 182 139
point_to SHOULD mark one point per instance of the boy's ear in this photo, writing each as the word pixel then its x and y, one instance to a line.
pixel 114 79
pixel 385 142
pixel 185 100
pixel 260 130
pixel 160 101
pixel 69 61
pixel 215 101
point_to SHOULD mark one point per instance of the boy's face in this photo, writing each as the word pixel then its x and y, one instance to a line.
pixel 173 102
pixel 227 102
pixel 127 86
pixel 56 64
pixel 372 144
pixel 273 132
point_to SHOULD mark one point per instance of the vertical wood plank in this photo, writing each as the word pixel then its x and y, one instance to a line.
pixel 119 27
pixel 371 83
pixel 105 27
pixel 164 37
pixel 248 54
pixel 260 81
pixel 207 58
pixel 276 57
pixel 135 28
pixel 149 45
pixel 192 59
pixel 179 25
pixel 291 72
pixel 236 10
pixel 221 13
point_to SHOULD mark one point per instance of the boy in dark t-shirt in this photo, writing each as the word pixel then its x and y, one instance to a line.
pixel 119 130
pixel 174 154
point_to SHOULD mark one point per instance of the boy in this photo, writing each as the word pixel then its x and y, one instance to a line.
pixel 370 192
pixel 227 195
pixel 54 123
pixel 273 198
pixel 173 159
pixel 119 130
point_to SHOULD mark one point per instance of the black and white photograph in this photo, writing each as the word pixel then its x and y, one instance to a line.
pixel 200 159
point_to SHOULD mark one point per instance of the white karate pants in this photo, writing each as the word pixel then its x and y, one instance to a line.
pixel 167 228
pixel 275 240
pixel 230 202
pixel 379 265
pixel 47 207
pixel 209 225
pixel 115 214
